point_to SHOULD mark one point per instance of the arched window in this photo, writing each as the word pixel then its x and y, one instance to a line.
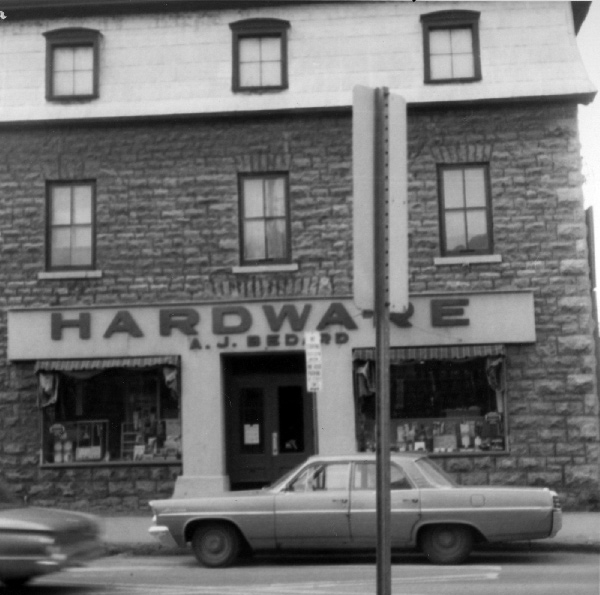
pixel 260 55
pixel 451 46
pixel 72 64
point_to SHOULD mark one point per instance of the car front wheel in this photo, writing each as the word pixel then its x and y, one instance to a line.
pixel 447 544
pixel 216 545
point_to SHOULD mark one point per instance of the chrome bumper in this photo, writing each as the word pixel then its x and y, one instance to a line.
pixel 163 535
pixel 556 522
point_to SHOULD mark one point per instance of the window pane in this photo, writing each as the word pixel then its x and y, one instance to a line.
pixel 254 240
pixel 475 187
pixel 398 479
pixel 271 74
pixel 462 66
pixel 270 49
pixel 439 41
pixel 477 226
pixel 144 419
pixel 455 231
pixel 461 41
pixel 249 49
pixel 252 420
pixel 82 204
pixel 290 405
pixel 276 238
pixel 441 67
pixel 83 58
pixel 364 476
pixel 253 198
pixel 453 189
pixel 61 205
pixel 275 197
pixel 63 83
pixel 250 74
pixel 60 252
pixel 63 59
pixel 335 477
pixel 83 83
pixel 81 253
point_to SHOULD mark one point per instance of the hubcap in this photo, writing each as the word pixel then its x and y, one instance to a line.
pixel 214 544
pixel 446 539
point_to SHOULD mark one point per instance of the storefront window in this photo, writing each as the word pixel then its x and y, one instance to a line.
pixel 436 405
pixel 112 414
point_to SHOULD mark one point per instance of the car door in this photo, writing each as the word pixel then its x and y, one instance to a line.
pixel 405 505
pixel 313 511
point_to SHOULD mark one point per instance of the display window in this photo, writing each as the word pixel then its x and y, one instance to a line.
pixel 128 412
pixel 442 405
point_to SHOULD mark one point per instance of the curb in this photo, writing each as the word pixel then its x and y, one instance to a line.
pixel 150 549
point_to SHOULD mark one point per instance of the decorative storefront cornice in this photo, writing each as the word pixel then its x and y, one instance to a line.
pixel 27 9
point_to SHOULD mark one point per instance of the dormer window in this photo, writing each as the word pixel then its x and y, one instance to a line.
pixel 260 55
pixel 72 64
pixel 451 46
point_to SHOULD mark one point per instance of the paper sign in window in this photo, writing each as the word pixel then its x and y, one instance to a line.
pixel 251 434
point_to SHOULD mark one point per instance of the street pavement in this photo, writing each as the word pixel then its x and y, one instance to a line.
pixel 129 534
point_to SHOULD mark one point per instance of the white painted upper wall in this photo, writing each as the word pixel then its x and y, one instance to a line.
pixel 181 63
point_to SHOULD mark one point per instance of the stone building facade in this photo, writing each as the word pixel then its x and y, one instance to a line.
pixel 167 248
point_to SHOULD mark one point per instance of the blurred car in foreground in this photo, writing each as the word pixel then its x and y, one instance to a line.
pixel 35 541
pixel 330 503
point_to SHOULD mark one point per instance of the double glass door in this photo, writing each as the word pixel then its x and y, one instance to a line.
pixel 269 427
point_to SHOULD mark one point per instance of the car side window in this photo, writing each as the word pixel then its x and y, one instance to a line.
pixel 398 479
pixel 321 477
pixel 365 477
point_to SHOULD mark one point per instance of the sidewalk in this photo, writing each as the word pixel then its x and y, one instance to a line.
pixel 580 530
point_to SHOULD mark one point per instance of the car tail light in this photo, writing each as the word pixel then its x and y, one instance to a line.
pixel 556 501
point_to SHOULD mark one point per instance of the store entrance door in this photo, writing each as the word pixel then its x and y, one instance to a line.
pixel 269 418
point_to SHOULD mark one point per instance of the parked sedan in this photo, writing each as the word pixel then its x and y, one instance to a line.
pixel 330 503
pixel 36 541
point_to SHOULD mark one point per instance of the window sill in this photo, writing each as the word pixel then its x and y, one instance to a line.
pixel 452 81
pixel 71 98
pixel 266 268
pixel 54 275
pixel 258 89
pixel 475 259
pixel 468 453
pixel 87 465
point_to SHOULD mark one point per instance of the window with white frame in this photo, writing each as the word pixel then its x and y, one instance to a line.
pixel 465 210
pixel 70 225
pixel 72 64
pixel 264 214
pixel 260 55
pixel 451 46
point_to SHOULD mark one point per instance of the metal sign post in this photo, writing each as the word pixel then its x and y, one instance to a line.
pixel 379 153
pixel 382 339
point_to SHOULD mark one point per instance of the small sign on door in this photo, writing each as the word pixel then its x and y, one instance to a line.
pixel 251 434
pixel 314 361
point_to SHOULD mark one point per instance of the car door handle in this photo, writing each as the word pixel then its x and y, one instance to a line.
pixel 342 500
pixel 414 500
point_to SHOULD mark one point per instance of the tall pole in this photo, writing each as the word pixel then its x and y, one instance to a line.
pixel 382 321
pixel 380 263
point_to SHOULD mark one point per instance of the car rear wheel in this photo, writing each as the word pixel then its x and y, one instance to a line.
pixel 216 545
pixel 447 544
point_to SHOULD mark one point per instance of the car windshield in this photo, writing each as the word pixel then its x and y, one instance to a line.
pixel 282 480
pixel 434 475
